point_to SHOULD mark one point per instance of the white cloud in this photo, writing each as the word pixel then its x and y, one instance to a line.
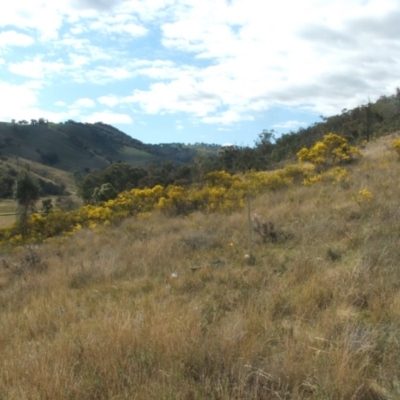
pixel 100 5
pixel 85 102
pixel 36 68
pixel 179 125
pixel 60 103
pixel 103 74
pixel 220 62
pixel 120 24
pixel 285 60
pixel 13 38
pixel 180 95
pixel 291 124
pixel 227 118
pixel 15 99
pixel 110 100
pixel 44 16
pixel 108 117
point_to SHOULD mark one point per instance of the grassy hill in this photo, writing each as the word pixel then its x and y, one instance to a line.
pixel 73 146
pixel 158 307
pixel 53 152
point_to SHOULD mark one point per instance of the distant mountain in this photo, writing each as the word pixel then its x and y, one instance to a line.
pixel 73 146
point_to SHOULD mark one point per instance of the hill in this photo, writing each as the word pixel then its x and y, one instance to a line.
pixel 197 307
pixel 54 151
pixel 73 146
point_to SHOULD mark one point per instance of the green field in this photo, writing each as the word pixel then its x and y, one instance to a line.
pixel 7 212
pixel 8 208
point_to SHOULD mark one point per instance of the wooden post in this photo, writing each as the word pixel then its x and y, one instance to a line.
pixel 250 258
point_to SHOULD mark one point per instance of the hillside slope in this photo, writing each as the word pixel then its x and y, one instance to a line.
pixel 76 146
pixel 173 308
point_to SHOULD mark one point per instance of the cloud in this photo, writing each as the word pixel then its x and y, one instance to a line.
pixel 328 37
pixel 110 100
pixel 40 16
pixel 60 103
pixel 227 118
pixel 219 62
pixel 286 60
pixel 15 99
pixel 13 38
pixel 104 74
pixel 180 95
pixel 291 124
pixel 179 125
pixel 108 117
pixel 36 68
pixel 99 5
pixel 85 102
pixel 121 24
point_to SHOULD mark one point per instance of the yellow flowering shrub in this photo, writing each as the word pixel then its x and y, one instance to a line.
pixel 313 180
pixel 298 172
pixel 396 146
pixel 221 192
pixel 220 178
pixel 332 176
pixel 364 196
pixel 333 150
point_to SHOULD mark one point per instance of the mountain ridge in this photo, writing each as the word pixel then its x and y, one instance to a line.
pixel 74 145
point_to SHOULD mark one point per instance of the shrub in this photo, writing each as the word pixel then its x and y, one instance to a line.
pixel 333 150
pixel 396 146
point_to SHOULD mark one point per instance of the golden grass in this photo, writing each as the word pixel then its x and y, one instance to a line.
pixel 119 314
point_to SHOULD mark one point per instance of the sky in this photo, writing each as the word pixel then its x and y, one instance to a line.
pixel 213 71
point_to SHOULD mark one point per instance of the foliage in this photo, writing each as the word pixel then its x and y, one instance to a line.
pixel 123 312
pixel 332 150
pixel 47 207
pixel 105 192
pixel 122 175
pixel 7 180
pixel 364 196
pixel 222 192
pixel 335 176
pixel 49 158
pixel 26 194
pixel 396 146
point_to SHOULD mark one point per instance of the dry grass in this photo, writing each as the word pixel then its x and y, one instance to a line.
pixel 119 314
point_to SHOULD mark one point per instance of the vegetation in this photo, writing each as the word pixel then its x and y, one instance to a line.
pixel 169 303
pixel 331 151
pixel 93 151
pixel 72 146
pixel 26 194
pixel 165 285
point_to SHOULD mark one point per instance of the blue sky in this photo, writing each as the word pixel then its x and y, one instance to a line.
pixel 214 71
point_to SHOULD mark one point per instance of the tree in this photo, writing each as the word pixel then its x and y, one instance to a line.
pixel 227 158
pixel 265 141
pixel 47 207
pixel 122 176
pixel 103 193
pixel 86 187
pixel 26 194
pixel 49 158
pixel 368 120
